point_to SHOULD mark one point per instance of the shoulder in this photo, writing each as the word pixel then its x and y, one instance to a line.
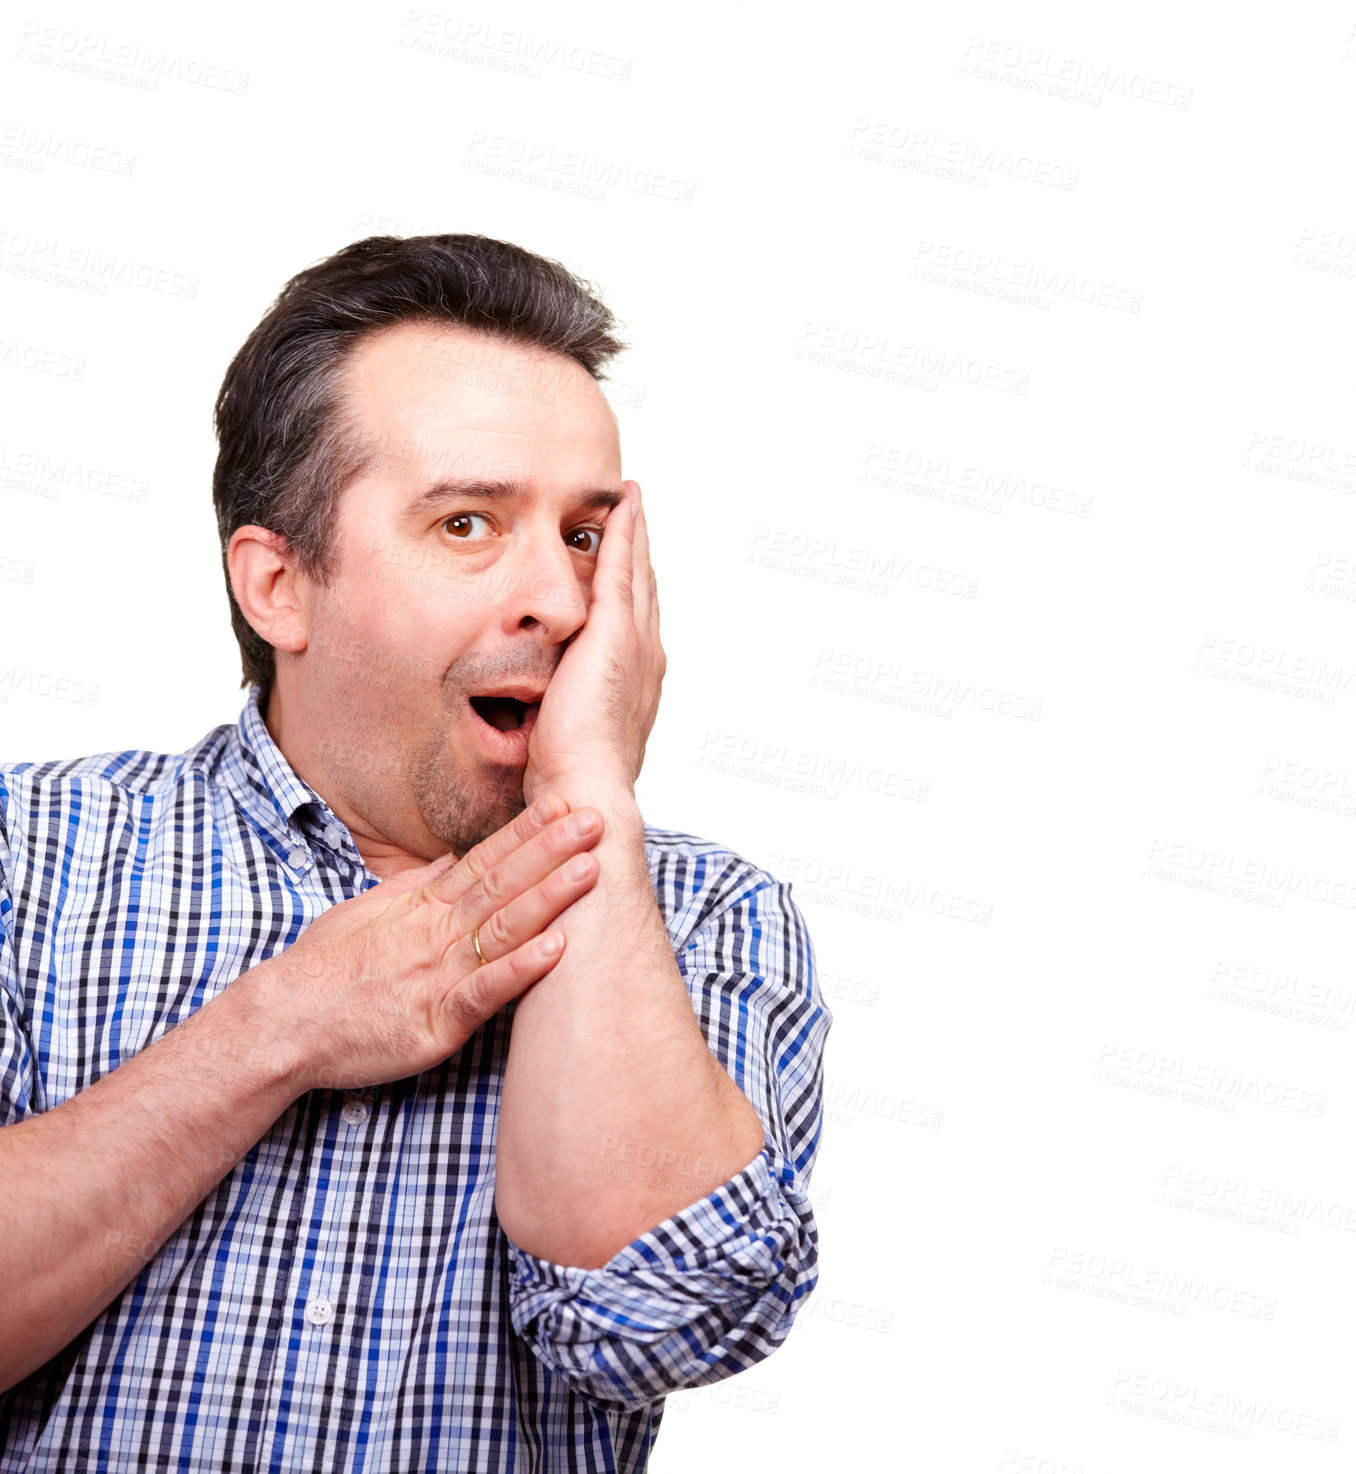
pixel 696 880
pixel 701 864
pixel 100 782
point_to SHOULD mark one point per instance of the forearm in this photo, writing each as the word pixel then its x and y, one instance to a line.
pixel 615 1114
pixel 94 1187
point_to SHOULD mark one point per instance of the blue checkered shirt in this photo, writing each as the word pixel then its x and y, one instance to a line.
pixel 134 886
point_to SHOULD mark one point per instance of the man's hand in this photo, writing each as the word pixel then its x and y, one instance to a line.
pixel 387 984
pixel 601 703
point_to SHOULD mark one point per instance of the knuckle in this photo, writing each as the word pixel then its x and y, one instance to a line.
pixel 496 929
pixel 466 1003
pixel 493 886
pixel 562 839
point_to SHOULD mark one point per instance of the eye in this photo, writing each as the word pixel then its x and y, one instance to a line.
pixel 460 525
pixel 594 533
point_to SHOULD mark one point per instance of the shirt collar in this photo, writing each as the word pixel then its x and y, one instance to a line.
pixel 283 808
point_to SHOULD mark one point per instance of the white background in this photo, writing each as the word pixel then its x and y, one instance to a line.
pixel 997 449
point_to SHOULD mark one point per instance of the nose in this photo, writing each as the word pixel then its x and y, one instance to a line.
pixel 547 592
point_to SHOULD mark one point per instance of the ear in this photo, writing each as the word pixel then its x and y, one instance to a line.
pixel 267 586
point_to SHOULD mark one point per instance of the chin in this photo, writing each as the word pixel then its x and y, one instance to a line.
pixel 466 808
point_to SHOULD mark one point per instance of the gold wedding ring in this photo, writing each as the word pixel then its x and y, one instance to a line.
pixel 475 942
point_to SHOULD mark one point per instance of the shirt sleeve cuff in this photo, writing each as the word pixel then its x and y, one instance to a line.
pixel 705 1294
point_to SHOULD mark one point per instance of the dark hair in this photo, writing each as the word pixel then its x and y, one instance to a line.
pixel 285 449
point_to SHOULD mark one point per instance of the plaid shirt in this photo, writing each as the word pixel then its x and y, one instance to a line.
pixel 346 1298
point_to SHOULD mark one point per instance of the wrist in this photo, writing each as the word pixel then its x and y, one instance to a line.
pixel 613 797
pixel 267 1043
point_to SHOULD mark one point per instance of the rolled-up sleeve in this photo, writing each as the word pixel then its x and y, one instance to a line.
pixel 714 1289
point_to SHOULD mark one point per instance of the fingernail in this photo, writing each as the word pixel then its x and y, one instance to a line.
pixel 583 824
pixel 578 868
pixel 543 811
pixel 635 504
pixel 552 942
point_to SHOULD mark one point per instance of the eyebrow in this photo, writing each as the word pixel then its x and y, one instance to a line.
pixel 476 488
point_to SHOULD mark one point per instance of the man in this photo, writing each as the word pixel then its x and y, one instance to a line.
pixel 379 1091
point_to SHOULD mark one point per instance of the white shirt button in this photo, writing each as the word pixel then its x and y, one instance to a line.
pixel 355 1110
pixel 296 858
pixel 333 836
pixel 319 1311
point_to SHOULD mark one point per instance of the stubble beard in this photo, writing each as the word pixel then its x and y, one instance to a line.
pixel 462 801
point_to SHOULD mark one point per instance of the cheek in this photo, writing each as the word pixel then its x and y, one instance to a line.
pixel 412 619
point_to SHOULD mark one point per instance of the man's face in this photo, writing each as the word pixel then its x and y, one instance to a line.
pixel 443 592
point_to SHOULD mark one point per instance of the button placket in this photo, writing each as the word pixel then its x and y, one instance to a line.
pixel 305 1284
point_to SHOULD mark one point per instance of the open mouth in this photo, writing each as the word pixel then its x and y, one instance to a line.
pixel 501 712
pixel 505 713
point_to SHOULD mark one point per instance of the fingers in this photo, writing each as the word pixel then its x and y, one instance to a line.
pixel 482 992
pixel 517 950
pixel 645 591
pixel 459 876
pixel 642 574
pixel 521 868
pixel 616 554
pixel 519 921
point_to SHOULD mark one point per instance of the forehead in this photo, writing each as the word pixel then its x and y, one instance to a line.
pixel 426 396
